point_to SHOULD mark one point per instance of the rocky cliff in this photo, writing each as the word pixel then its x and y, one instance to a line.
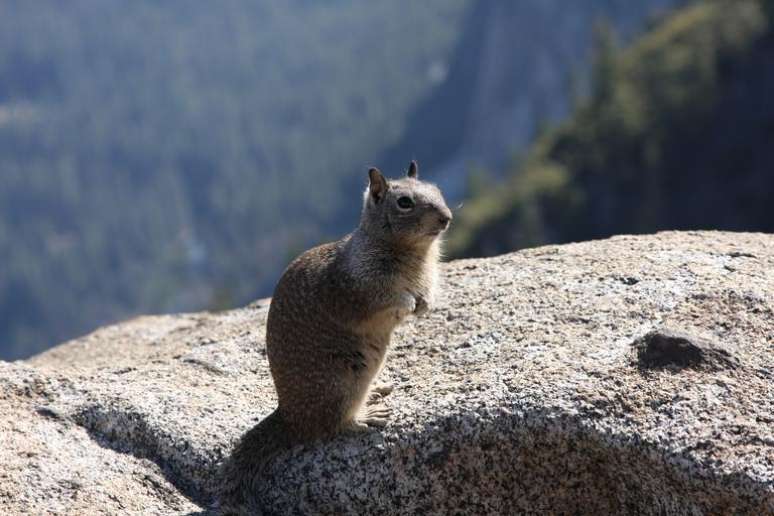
pixel 634 374
pixel 512 72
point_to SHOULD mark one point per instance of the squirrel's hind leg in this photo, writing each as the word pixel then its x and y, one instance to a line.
pixel 375 415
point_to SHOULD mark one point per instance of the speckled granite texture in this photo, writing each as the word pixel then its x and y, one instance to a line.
pixel 630 375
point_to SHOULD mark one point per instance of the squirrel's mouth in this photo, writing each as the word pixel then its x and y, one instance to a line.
pixel 440 229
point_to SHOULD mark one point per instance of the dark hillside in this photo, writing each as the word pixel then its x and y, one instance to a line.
pixel 678 133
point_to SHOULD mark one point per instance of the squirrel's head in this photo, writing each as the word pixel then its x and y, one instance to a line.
pixel 406 210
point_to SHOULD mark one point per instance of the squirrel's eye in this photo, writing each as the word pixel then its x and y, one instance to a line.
pixel 405 203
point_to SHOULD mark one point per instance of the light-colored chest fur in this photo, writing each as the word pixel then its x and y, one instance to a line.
pixel 397 295
pixel 419 275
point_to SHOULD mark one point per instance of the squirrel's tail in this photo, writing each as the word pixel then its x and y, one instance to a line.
pixel 241 474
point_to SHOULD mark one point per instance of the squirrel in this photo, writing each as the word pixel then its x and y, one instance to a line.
pixel 330 322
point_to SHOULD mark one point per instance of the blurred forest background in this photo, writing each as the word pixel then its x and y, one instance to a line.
pixel 162 156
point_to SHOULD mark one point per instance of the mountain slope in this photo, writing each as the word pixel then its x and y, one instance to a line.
pixel 166 156
pixel 677 134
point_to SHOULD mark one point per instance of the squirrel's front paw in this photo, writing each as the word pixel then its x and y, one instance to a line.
pixel 406 305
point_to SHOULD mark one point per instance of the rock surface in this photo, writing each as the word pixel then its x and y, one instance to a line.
pixel 524 390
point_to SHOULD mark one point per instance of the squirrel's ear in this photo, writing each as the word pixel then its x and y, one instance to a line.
pixel 377 185
pixel 413 170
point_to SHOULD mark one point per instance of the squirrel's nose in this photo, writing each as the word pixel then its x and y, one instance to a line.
pixel 444 219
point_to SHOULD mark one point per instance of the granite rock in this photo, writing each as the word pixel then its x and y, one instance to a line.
pixel 528 389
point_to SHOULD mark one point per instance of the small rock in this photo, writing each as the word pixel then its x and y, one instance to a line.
pixel 629 280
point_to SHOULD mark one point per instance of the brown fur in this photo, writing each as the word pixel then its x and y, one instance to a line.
pixel 330 323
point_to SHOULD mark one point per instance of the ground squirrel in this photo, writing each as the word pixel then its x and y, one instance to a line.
pixel 330 323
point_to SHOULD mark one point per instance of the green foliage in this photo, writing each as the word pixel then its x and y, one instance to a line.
pixel 604 71
pixel 635 151
pixel 768 9
pixel 159 156
pixel 478 181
